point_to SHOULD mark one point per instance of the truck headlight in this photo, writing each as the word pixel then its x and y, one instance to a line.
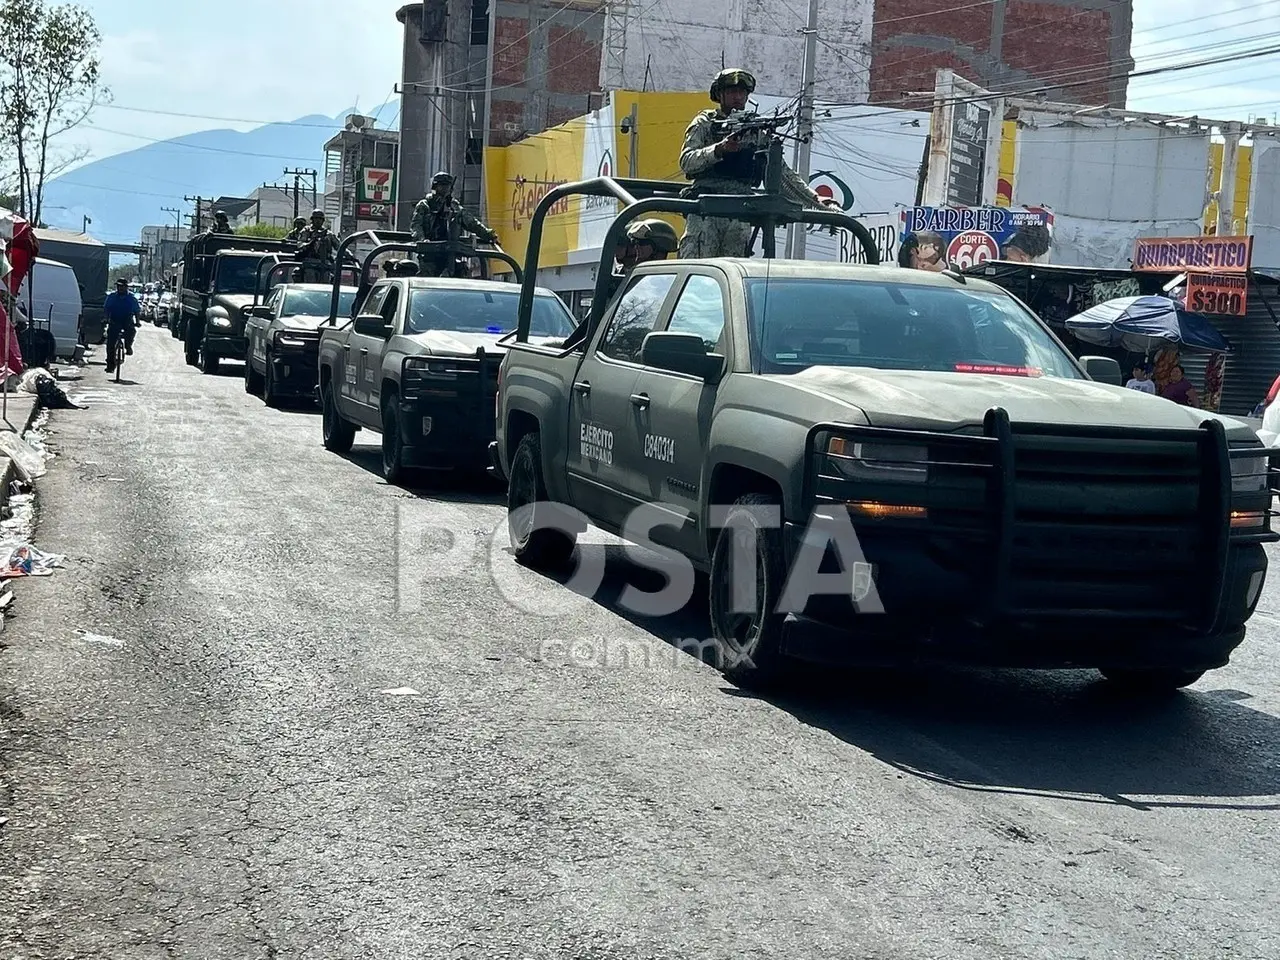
pixel 1249 474
pixel 221 323
pixel 880 462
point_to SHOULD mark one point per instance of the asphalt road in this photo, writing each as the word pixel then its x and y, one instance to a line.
pixel 201 757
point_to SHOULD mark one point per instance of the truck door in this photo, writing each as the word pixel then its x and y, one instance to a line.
pixel 351 401
pixel 675 418
pixel 605 463
pixel 372 350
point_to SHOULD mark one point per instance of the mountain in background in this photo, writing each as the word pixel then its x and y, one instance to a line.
pixel 125 192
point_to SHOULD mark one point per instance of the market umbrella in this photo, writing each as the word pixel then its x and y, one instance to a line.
pixel 1144 324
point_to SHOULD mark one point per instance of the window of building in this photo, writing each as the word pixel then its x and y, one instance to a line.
pixel 479 22
pixel 475 150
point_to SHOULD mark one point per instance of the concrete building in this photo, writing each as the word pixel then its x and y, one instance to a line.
pixel 675 45
pixel 276 205
pixel 1077 44
pixel 162 244
pixel 456 99
pixel 360 177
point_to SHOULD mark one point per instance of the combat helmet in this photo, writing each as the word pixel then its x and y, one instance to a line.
pixel 443 177
pixel 657 232
pixel 733 77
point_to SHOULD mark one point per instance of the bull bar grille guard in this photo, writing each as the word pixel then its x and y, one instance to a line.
pixel 475 377
pixel 976 495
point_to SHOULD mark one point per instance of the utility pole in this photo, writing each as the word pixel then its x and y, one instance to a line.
pixel 297 186
pixel 796 232
pixel 197 220
pixel 629 128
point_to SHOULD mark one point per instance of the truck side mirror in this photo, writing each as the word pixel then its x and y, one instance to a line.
pixel 681 353
pixel 261 311
pixel 1103 370
pixel 372 325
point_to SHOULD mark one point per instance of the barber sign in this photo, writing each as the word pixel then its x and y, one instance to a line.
pixel 377 184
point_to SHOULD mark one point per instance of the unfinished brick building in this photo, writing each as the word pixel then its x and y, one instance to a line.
pixel 1078 48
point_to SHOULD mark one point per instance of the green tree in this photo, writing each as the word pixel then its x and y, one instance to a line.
pixel 49 84
pixel 128 270
pixel 264 231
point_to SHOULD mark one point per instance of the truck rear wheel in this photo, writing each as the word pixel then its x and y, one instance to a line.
pixel 252 380
pixel 750 635
pixel 1151 681
pixel 532 545
pixel 338 434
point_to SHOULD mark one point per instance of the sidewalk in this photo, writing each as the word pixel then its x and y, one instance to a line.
pixel 22 411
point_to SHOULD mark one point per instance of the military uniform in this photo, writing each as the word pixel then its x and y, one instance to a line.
pixel 297 233
pixel 440 217
pixel 736 172
pixel 319 250
pixel 219 226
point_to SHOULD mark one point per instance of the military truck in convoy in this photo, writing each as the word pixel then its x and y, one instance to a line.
pixel 415 358
pixel 880 465
pixel 219 278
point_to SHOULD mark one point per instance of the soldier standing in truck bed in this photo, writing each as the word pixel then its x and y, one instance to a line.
pixel 728 164
pixel 439 217
pixel 319 249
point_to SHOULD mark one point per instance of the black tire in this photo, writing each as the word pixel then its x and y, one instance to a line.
pixel 393 469
pixel 269 394
pixel 252 382
pixel 338 434
pixel 1148 682
pixel 545 547
pixel 208 362
pixel 750 643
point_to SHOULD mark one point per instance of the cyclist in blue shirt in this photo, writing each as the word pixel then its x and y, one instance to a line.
pixel 120 309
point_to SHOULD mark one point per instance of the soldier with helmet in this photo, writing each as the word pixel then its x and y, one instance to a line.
pixel 729 164
pixel 318 251
pixel 299 228
pixel 220 223
pixel 440 217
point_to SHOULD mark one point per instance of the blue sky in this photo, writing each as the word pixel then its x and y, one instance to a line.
pixel 264 60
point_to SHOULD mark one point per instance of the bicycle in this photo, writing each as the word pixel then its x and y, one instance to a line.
pixel 120 355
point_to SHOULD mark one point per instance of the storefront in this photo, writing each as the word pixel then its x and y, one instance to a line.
pixel 1056 293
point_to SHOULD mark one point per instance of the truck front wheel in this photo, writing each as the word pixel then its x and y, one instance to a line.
pixel 747 627
pixel 533 544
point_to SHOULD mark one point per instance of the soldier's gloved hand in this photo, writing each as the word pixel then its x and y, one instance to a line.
pixel 730 144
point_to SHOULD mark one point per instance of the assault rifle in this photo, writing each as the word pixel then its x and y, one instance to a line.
pixel 740 124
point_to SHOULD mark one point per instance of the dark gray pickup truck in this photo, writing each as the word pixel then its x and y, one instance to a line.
pixel 921 440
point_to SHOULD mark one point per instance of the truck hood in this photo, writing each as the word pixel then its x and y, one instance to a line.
pixel 913 399
pixel 299 322
pixel 449 343
pixel 231 302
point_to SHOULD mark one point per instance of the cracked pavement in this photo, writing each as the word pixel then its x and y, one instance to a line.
pixel 550 778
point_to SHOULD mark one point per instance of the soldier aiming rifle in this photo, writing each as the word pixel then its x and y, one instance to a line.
pixel 725 152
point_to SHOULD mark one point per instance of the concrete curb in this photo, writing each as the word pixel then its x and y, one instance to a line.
pixel 22 422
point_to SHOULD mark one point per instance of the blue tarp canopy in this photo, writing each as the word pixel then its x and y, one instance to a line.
pixel 1144 324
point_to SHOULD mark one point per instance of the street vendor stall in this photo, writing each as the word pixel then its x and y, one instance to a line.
pixel 1057 293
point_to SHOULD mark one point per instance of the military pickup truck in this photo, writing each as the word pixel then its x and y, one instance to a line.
pixel 968 489
pixel 418 364
pixel 220 276
pixel 283 339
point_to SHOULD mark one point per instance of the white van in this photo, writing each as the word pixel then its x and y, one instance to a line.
pixel 55 303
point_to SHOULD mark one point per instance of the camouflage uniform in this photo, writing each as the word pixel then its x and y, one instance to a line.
pixel 299 230
pixel 734 173
pixel 438 217
pixel 319 250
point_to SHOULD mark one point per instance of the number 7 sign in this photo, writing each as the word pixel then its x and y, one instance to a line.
pixel 377 184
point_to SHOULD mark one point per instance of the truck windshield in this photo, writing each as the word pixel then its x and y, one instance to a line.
pixel 798 323
pixel 238 275
pixel 315 303
pixel 485 311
